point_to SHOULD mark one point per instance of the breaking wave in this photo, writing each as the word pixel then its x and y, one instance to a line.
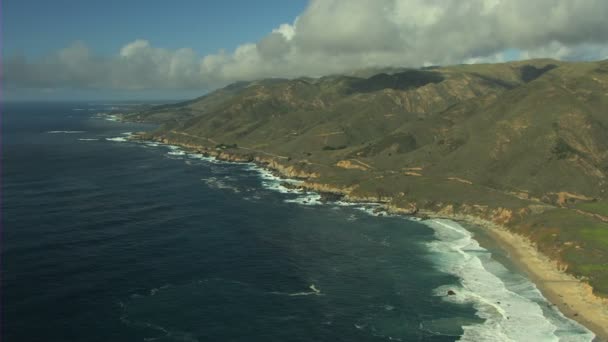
pixel 522 315
pixel 66 132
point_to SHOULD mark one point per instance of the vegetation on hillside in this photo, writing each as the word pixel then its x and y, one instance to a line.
pixel 523 143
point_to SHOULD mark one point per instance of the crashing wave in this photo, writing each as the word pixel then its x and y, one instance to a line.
pixel 508 315
pixel 66 132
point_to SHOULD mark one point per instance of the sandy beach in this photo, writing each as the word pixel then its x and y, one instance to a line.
pixel 573 297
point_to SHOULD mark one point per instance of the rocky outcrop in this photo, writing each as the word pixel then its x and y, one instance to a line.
pixel 404 209
pixel 241 155
pixel 286 170
pixel 328 188
pixel 348 164
pixel 564 198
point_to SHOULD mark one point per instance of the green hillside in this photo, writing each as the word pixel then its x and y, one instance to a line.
pixel 523 144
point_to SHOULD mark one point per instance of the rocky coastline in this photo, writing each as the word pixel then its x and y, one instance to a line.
pixel 572 295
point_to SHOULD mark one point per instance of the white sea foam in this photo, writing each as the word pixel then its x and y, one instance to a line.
pixel 372 209
pixel 88 139
pixel 65 132
pixel 126 136
pixel 314 292
pixel 204 158
pixel 155 290
pixel 198 156
pixel 310 198
pixel 369 208
pixel 117 139
pixel 271 181
pixel 110 117
pixel 276 183
pixel 508 315
pixel 217 183
pixel 176 150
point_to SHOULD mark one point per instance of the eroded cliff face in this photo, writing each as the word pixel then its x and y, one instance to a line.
pixel 397 203
pixel 288 171
pixel 327 188
pixel 393 202
pixel 352 164
pixel 499 216
pixel 285 169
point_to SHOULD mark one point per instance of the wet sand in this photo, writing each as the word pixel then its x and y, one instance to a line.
pixel 573 297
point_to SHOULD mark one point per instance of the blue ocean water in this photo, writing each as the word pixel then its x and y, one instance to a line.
pixel 109 240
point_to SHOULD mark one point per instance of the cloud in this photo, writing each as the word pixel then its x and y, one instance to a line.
pixel 333 36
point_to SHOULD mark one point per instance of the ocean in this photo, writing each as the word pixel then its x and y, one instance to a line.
pixel 105 239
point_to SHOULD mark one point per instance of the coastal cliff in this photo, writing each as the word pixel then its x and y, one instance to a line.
pixel 521 147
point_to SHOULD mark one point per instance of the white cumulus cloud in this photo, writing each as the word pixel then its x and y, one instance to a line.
pixel 333 36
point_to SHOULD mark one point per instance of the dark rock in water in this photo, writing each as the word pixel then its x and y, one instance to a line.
pixel 378 210
pixel 451 293
pixel 422 216
pixel 291 186
pixel 330 197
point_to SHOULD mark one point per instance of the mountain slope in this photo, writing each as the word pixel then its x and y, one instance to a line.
pixel 524 144
pixel 471 121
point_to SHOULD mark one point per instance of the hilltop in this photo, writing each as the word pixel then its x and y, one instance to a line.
pixel 522 144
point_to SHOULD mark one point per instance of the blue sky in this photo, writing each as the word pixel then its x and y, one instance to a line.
pixel 39 27
pixel 136 49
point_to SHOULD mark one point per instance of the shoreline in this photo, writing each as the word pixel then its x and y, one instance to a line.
pixel 573 297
